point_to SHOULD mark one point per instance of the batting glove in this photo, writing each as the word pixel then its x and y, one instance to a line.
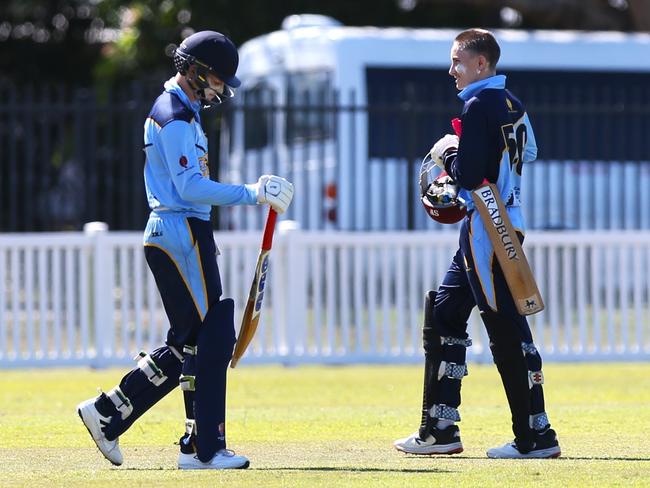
pixel 275 191
pixel 444 144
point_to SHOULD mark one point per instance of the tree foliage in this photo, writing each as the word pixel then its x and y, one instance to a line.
pixel 101 41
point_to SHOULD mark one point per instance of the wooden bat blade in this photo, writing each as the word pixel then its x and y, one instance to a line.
pixel 508 250
pixel 251 316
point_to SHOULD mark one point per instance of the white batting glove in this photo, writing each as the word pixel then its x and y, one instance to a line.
pixel 275 191
pixel 444 144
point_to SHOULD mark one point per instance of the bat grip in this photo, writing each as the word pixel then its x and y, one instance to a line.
pixel 457 126
pixel 267 240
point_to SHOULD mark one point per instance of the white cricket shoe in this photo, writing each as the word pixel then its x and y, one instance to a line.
pixel 439 441
pixel 546 446
pixel 223 459
pixel 94 422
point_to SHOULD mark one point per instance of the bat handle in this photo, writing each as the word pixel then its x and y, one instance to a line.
pixel 457 126
pixel 267 240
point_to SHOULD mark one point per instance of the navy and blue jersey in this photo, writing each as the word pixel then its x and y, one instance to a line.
pixel 176 173
pixel 496 140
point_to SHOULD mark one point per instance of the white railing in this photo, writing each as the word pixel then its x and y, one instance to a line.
pixel 71 298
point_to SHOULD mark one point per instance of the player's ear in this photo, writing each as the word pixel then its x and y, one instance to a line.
pixel 482 63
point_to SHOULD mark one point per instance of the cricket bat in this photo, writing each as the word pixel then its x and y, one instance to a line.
pixel 508 250
pixel 256 294
pixel 505 242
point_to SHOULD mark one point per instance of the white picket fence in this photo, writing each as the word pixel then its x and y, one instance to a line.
pixel 76 299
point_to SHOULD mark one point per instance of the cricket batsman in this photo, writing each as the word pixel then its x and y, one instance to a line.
pixel 180 250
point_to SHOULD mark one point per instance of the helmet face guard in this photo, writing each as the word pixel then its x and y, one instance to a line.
pixel 439 194
pixel 183 62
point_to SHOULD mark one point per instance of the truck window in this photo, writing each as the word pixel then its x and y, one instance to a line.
pixel 310 107
pixel 586 115
pixel 576 115
pixel 407 109
pixel 258 113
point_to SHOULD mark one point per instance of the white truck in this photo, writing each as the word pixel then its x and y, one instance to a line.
pixel 347 113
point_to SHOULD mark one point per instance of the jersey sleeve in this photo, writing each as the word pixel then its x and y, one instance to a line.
pixel 469 165
pixel 530 149
pixel 179 152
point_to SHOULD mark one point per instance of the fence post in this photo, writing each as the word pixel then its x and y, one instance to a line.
pixel 101 292
pixel 294 290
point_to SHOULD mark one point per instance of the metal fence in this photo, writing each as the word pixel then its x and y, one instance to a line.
pixel 333 297
pixel 592 171
pixel 72 155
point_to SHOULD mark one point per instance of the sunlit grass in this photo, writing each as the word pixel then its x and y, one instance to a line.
pixel 333 426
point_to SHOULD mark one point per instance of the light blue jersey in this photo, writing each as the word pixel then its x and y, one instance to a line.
pixel 176 172
pixel 179 188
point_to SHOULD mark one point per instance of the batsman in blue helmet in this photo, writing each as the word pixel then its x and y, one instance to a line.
pixel 180 250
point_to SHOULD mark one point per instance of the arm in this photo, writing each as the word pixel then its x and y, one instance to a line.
pixel 179 151
pixel 469 165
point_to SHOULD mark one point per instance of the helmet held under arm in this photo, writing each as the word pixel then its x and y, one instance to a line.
pixel 439 194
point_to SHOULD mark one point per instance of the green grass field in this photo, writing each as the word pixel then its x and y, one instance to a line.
pixel 333 426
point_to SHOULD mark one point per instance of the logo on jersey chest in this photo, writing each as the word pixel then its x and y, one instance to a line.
pixel 203 164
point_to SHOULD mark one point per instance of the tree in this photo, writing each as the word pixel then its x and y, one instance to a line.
pixel 100 41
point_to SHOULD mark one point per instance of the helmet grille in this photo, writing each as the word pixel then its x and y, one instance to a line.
pixel 181 61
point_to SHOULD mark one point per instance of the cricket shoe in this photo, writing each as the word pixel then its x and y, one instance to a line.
pixel 439 441
pixel 94 422
pixel 545 446
pixel 223 459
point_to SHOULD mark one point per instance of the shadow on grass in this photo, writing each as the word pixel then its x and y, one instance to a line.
pixel 561 458
pixel 394 470
pixel 358 470
pixel 585 458
pixel 306 468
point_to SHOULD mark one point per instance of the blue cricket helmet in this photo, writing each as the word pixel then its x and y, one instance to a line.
pixel 212 51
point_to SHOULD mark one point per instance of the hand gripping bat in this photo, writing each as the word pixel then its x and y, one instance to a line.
pixel 254 305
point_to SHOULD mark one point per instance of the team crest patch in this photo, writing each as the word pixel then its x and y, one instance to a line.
pixel 536 378
pixel 183 161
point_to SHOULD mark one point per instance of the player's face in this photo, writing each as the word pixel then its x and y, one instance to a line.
pixel 465 66
pixel 216 87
